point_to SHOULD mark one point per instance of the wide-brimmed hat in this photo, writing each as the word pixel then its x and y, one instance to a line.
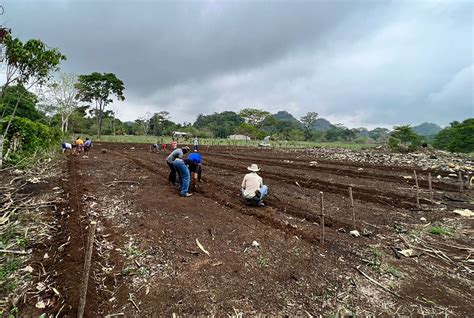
pixel 253 168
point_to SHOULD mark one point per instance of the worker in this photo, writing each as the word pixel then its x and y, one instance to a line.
pixel 79 145
pixel 195 143
pixel 175 154
pixel 193 167
pixel 174 144
pixel 184 175
pixel 87 145
pixel 253 190
pixel 65 146
pixel 196 156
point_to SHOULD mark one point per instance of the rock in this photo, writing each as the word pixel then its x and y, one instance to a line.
pixel 354 233
pixel 255 244
pixel 464 212
pixel 422 219
pixel 453 175
pixel 439 176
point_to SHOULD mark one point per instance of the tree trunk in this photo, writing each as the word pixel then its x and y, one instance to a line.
pixel 1 151
pixel 13 115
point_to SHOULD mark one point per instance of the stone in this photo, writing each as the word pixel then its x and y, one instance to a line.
pixel 355 233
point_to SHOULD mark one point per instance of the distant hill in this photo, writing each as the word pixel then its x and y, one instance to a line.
pixel 427 129
pixel 286 116
pixel 322 124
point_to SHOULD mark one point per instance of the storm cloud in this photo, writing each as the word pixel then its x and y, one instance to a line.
pixel 362 63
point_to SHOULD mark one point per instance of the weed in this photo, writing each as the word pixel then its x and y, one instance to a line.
pixel 439 230
pixel 394 271
pixel 13 312
pixel 375 259
pixel 263 261
pixel 391 285
pixel 133 252
pixel 126 271
pixel 22 241
pixel 142 272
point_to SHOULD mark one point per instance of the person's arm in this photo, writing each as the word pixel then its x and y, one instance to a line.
pixel 244 183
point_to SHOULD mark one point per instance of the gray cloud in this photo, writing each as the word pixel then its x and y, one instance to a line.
pixel 359 62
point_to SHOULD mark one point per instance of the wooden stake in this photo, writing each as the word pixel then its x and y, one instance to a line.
pixel 417 191
pixel 430 186
pixel 322 216
pixel 353 210
pixel 460 181
pixel 87 267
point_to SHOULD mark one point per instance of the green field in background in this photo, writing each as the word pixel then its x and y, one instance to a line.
pixel 228 142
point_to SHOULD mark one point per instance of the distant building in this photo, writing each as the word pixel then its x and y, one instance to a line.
pixel 239 137
pixel 179 134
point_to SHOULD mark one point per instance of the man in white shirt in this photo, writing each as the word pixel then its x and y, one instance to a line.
pixel 253 190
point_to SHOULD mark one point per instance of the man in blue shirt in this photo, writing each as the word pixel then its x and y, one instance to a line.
pixel 196 157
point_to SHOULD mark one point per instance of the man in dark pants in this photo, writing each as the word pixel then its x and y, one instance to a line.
pixel 175 154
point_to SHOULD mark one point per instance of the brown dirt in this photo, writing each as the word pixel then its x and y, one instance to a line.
pixel 146 246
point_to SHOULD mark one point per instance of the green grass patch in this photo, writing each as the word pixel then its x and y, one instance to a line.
pixel 394 271
pixel 439 230
pixel 10 266
pixel 227 142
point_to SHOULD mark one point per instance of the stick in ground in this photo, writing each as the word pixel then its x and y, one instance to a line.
pixel 87 267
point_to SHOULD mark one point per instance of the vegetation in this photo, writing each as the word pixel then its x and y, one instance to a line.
pixel 439 230
pixel 99 88
pixel 404 139
pixel 458 137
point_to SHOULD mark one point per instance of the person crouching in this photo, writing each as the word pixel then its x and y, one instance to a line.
pixel 253 190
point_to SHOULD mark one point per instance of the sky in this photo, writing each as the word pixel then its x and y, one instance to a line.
pixel 360 63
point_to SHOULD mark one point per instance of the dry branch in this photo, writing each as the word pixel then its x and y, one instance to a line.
pixel 377 283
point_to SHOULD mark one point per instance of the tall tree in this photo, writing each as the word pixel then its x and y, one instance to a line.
pixel 61 94
pixel 27 63
pixel 253 116
pixel 308 121
pixel 99 88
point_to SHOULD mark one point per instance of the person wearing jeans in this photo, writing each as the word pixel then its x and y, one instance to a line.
pixel 177 153
pixel 184 177
pixel 253 190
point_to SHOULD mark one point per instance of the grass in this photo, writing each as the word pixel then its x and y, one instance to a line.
pixel 263 261
pixel 394 271
pixel 10 266
pixel 133 252
pixel 439 230
pixel 228 142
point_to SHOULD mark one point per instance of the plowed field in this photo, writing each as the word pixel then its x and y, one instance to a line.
pixel 147 262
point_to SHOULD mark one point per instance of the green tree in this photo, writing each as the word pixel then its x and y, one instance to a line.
pixel 221 124
pixel 458 137
pixel 24 101
pixel 309 120
pixel 99 88
pixel 30 63
pixel 404 138
pixel 253 116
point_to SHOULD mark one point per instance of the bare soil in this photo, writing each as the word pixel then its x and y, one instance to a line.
pixel 147 261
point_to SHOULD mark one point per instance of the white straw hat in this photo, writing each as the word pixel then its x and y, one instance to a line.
pixel 253 168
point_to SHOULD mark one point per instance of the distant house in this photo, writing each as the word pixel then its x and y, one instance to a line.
pixel 178 134
pixel 239 137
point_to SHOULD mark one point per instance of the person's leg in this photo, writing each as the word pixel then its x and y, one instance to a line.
pixel 199 173
pixel 172 175
pixel 180 177
pixel 186 181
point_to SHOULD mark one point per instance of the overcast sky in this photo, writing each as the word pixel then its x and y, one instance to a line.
pixel 361 63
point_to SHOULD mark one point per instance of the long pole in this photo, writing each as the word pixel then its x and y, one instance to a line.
pixel 322 216
pixel 352 208
pixel 87 267
pixel 417 190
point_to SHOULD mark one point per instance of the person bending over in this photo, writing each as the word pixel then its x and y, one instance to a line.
pixel 196 156
pixel 175 154
pixel 87 145
pixel 184 176
pixel 253 190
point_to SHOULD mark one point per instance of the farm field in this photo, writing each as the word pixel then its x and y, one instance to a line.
pixel 267 260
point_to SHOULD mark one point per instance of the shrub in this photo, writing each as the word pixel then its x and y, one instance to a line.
pixel 458 137
pixel 26 137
